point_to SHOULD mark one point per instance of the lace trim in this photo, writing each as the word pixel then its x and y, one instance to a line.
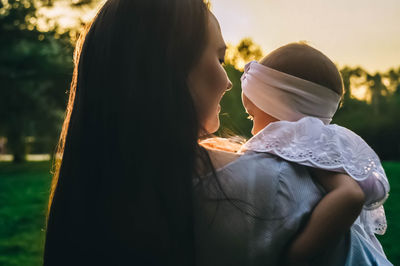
pixel 374 221
pixel 311 143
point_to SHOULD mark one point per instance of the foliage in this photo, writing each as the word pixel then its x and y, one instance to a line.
pixel 375 117
pixel 36 68
pixel 35 71
pixel 244 52
pixel 233 116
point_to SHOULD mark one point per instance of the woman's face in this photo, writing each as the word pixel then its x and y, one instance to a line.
pixel 208 80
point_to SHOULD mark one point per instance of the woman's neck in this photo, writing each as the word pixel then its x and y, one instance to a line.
pixel 221 151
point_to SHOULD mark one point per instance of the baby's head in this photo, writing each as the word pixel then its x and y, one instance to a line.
pixel 302 61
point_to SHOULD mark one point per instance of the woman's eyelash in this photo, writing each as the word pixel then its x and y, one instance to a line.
pixel 250 117
pixel 221 61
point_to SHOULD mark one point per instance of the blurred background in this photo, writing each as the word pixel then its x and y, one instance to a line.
pixel 37 39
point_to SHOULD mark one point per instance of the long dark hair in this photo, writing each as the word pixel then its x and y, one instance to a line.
pixel 122 181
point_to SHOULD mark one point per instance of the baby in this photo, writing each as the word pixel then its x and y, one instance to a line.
pixel 291 96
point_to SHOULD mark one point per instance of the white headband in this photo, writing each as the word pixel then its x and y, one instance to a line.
pixel 287 97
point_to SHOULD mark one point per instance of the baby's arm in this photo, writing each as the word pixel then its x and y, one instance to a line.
pixel 330 219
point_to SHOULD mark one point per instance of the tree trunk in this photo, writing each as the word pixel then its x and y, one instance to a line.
pixel 16 144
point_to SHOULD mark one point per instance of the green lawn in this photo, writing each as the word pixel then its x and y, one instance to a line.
pixel 24 191
pixel 391 240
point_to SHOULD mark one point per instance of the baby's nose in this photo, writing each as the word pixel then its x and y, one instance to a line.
pixel 230 85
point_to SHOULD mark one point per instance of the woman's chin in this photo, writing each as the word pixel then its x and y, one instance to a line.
pixel 213 126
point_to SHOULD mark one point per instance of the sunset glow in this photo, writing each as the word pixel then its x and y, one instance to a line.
pixel 362 33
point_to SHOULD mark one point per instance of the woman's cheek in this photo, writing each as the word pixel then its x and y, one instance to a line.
pixel 211 85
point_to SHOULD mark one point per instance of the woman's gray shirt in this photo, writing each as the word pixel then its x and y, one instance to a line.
pixel 280 192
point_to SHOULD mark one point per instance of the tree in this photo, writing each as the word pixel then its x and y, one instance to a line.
pixel 35 71
pixel 347 74
pixel 394 80
pixel 377 90
pixel 244 52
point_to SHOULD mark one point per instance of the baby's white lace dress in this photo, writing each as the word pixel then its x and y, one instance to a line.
pixel 331 147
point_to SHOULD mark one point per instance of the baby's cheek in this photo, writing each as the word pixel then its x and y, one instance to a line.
pixel 257 124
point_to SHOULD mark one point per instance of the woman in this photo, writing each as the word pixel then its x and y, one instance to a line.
pixel 129 143
pixel 146 87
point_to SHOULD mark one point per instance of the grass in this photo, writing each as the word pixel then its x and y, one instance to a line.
pixel 24 190
pixel 391 239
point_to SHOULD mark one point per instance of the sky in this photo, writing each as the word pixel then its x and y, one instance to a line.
pixel 362 33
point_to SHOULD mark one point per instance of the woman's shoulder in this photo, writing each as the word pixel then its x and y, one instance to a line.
pixel 257 171
pixel 221 158
pixel 221 151
pixel 265 175
pixel 253 169
pixel 256 163
pixel 225 152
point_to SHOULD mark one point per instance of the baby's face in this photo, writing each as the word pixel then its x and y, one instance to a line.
pixel 259 118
